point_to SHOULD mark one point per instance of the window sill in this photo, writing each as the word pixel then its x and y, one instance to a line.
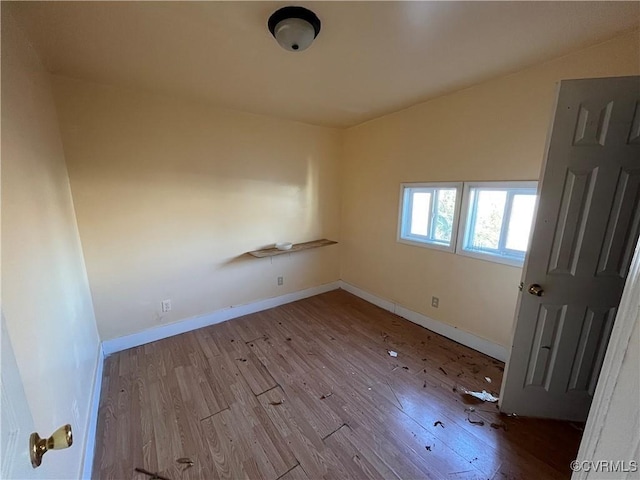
pixel 487 257
pixel 433 246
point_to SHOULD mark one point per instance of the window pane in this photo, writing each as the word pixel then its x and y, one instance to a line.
pixel 429 214
pixel 420 213
pixel 444 214
pixel 488 219
pixel 520 222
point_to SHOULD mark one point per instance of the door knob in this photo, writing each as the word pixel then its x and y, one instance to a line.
pixel 61 438
pixel 535 289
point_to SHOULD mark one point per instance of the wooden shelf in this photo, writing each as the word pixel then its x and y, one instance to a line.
pixel 271 252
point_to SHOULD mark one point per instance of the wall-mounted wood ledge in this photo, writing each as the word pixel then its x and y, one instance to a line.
pixel 270 252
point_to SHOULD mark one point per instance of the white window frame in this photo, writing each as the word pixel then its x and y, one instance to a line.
pixel 464 217
pixel 454 224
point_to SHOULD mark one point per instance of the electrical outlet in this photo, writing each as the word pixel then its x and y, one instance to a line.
pixel 435 301
pixel 280 281
pixel 166 306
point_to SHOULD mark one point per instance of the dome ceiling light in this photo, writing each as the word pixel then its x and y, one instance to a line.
pixel 294 28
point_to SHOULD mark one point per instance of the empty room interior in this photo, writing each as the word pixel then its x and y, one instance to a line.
pixel 307 240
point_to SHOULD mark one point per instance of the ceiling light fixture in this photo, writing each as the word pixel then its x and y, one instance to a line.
pixel 294 28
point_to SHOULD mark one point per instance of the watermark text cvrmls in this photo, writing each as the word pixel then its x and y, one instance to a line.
pixel 604 466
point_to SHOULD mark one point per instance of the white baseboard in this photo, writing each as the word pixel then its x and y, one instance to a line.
pixel 164 331
pixel 465 338
pixel 92 423
pixel 219 316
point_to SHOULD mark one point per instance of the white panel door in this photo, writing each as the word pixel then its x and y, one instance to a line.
pixel 585 231
pixel 17 423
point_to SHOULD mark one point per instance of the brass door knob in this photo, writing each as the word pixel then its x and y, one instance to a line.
pixel 61 438
pixel 535 289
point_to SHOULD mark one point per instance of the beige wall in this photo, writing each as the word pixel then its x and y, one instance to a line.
pixel 45 293
pixel 169 195
pixel 493 131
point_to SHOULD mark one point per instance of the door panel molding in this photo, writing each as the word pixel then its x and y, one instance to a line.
pixel 589 130
pixel 577 195
pixel 634 133
pixel 622 227
pixel 596 328
pixel 544 350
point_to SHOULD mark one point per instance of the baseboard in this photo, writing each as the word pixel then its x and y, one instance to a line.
pixel 465 338
pixel 92 424
pixel 219 316
pixel 164 331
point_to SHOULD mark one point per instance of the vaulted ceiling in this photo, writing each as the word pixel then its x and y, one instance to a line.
pixel 370 58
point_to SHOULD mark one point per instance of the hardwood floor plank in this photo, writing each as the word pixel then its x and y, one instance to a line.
pixel 296 473
pixel 302 438
pixel 308 390
pixel 356 453
pixel 225 453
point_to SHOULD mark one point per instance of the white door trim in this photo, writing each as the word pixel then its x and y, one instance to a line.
pixel 616 350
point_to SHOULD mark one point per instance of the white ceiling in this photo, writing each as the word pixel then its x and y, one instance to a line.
pixel 370 58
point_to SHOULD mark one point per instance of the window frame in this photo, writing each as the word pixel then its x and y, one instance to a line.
pixel 455 223
pixel 465 219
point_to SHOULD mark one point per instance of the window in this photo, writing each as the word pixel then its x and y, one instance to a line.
pixel 429 214
pixel 497 219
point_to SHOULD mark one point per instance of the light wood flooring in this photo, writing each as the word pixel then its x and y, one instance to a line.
pixel 308 390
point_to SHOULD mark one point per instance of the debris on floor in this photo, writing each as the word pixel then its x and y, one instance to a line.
pixel 187 462
pixel 152 475
pixel 425 385
pixel 487 379
pixel 498 426
pixel 405 368
pixel 443 370
pixel 326 395
pixel 279 402
pixel 428 447
pixel 438 422
pixel 484 395
pixel 392 353
pixel 478 422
